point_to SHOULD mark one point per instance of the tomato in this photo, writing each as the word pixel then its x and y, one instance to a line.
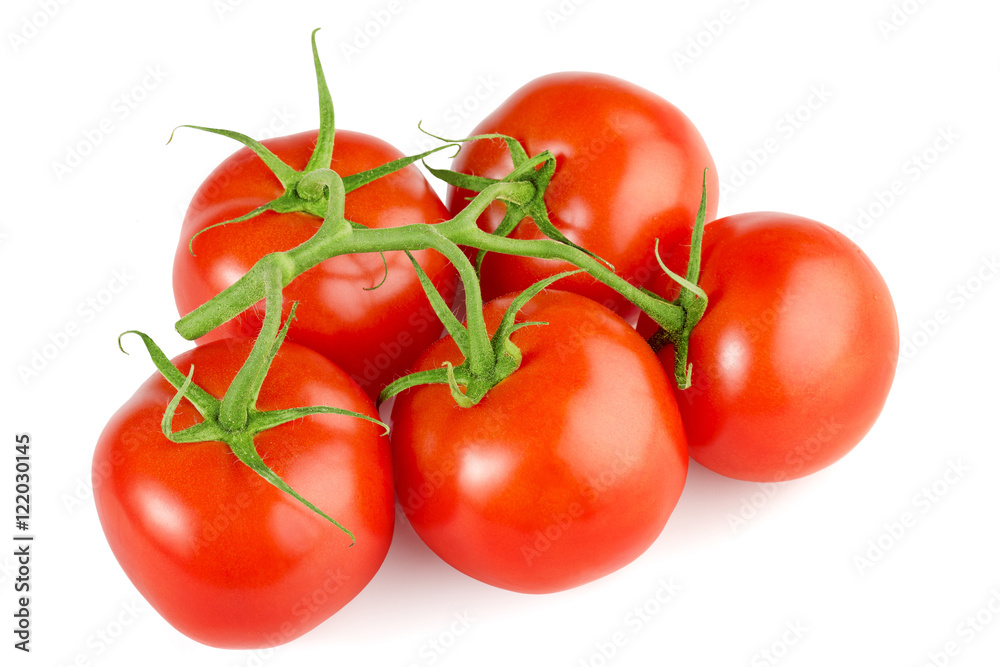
pixel 566 471
pixel 629 170
pixel 795 354
pixel 374 335
pixel 221 554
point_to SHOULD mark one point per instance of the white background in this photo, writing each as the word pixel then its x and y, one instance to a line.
pixel 796 562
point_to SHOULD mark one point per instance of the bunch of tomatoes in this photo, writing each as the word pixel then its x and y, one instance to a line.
pixel 249 488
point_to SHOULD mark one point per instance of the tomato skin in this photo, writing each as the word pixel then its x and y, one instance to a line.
pixel 225 557
pixel 796 353
pixel 374 335
pixel 629 170
pixel 566 471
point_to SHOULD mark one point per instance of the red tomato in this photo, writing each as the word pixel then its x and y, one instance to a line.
pixel 566 471
pixel 795 355
pixel 373 335
pixel 221 554
pixel 629 170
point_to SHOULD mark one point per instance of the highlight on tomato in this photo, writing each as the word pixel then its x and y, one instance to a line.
pixel 795 354
pixel 248 488
pixel 629 170
pixel 373 334
pixel 255 555
pixel 364 311
pixel 565 471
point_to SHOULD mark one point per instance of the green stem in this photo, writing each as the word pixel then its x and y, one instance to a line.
pixel 665 314
pixel 242 393
pixel 323 152
pixel 242 445
pixel 480 349
pixel 327 183
pixel 515 192
pixel 336 237
pixel 432 376
pixel 692 300
pixel 443 237
pixel 659 340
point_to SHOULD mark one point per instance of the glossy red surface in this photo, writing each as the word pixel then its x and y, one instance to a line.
pixel 796 353
pixel 629 170
pixel 374 335
pixel 567 470
pixel 224 556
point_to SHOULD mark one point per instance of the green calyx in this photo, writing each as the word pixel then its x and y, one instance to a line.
pixel 337 236
pixel 488 360
pixel 298 196
pixel 235 419
pixel 535 170
pixel 320 191
pixel 692 299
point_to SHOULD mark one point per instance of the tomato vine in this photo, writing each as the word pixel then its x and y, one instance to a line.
pixel 321 191
pixel 235 419
pixel 540 413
